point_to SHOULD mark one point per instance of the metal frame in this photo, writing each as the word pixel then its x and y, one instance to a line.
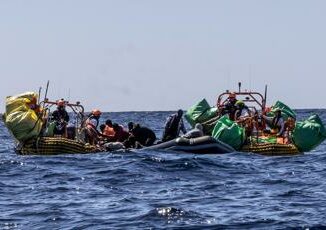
pixel 254 97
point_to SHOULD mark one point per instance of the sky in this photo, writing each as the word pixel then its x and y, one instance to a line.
pixel 143 55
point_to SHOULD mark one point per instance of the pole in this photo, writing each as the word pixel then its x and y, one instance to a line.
pixel 46 91
pixel 39 95
pixel 265 99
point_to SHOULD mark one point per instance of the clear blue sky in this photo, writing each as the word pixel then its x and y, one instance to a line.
pixel 165 54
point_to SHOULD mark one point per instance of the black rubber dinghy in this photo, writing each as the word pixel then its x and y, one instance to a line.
pixel 199 145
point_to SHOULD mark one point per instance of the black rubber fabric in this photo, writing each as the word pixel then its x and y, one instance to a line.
pixel 205 144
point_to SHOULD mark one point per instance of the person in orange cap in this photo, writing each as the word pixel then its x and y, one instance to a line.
pixel 230 106
pixel 61 118
pixel 91 124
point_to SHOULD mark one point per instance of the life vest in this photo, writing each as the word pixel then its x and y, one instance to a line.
pixel 92 122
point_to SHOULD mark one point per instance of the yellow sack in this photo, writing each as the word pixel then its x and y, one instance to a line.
pixel 22 121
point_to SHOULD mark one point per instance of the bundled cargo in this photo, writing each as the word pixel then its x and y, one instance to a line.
pixel 229 132
pixel 204 114
pixel 21 116
pixel 286 110
pixel 309 133
pixel 200 112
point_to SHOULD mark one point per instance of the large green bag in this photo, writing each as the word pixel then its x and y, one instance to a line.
pixel 200 112
pixel 309 133
pixel 229 132
pixel 286 110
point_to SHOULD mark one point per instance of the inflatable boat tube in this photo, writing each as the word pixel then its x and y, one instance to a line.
pixel 199 145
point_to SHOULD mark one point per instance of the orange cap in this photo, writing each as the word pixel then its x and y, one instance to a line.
pixel 96 112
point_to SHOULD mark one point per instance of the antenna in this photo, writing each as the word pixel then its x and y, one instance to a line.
pixel 46 91
pixel 265 96
pixel 39 94
pixel 69 94
pixel 250 76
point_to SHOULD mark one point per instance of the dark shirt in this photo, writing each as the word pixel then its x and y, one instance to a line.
pixel 59 115
pixel 61 118
pixel 230 109
pixel 172 127
pixel 144 135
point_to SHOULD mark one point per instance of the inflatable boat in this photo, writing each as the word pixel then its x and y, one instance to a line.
pixel 200 145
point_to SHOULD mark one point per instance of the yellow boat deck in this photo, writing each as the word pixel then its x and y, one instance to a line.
pixel 54 145
pixel 271 149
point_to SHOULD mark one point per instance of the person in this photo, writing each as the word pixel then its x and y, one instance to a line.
pixel 33 105
pixel 242 112
pixel 230 106
pixel 131 126
pixel 91 124
pixel 120 135
pixel 276 123
pixel 102 128
pixel 108 129
pixel 195 132
pixel 141 136
pixel 61 118
pixel 173 126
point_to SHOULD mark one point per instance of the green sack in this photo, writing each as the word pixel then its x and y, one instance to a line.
pixel 286 110
pixel 49 132
pixel 200 112
pixel 229 132
pixel 309 134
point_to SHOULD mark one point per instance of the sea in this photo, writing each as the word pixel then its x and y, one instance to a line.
pixel 161 189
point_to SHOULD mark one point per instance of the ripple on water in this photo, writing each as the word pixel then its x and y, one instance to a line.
pixel 160 190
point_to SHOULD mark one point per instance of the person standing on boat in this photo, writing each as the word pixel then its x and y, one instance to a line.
pixel 230 106
pixel 173 126
pixel 242 111
pixel 61 119
pixel 91 124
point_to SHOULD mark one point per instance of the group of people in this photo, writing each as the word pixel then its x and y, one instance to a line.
pixel 135 136
pixel 253 122
pixel 138 136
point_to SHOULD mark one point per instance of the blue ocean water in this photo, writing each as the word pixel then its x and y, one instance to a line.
pixel 161 190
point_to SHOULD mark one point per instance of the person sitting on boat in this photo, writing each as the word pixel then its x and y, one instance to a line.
pixel 230 106
pixel 173 126
pixel 108 128
pixel 91 124
pixel 242 112
pixel 142 136
pixel 33 105
pixel 276 123
pixel 120 134
pixel 61 119
pixel 102 127
pixel 195 132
